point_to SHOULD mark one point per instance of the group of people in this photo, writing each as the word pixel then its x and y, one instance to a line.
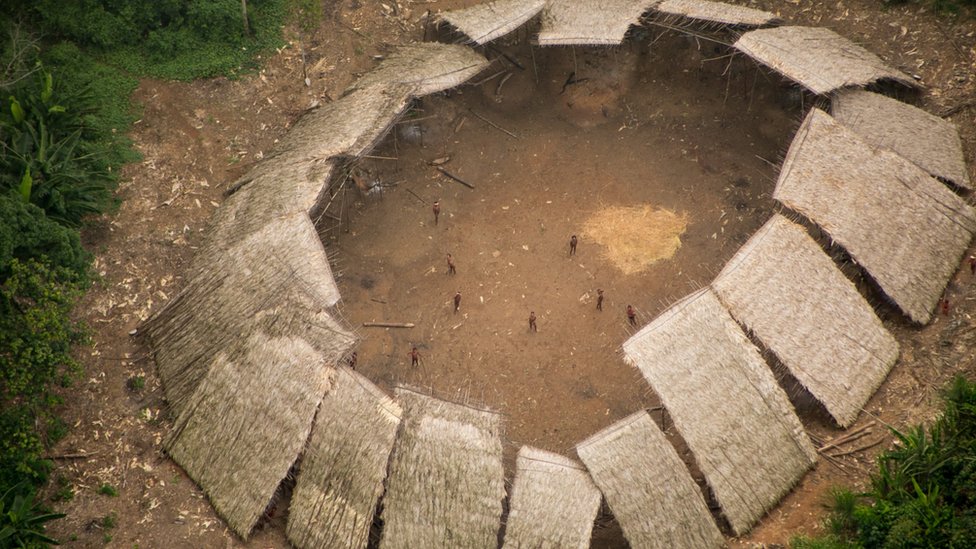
pixel 533 326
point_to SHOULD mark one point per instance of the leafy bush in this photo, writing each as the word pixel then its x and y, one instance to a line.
pixel 179 39
pixel 26 233
pixel 924 493
pixel 22 519
pixel 46 156
pixel 36 335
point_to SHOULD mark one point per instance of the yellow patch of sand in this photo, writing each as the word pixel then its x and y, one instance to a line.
pixel 635 237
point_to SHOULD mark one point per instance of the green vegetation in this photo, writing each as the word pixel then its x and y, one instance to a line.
pixel 177 39
pixel 107 489
pixel 136 383
pixel 924 493
pixel 22 520
pixel 64 114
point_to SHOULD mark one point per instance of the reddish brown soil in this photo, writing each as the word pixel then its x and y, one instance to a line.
pixel 621 137
pixel 659 126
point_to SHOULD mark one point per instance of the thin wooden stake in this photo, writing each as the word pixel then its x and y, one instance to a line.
pixel 416 195
pixel 493 125
pixel 454 177
pixel 388 324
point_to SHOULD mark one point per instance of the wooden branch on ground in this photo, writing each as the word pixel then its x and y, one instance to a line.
pixel 496 126
pixel 388 324
pixel 853 435
pixel 507 57
pixel 860 448
pixel 82 455
pixel 417 195
pixel 454 177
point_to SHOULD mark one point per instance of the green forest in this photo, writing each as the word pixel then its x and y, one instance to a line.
pixel 68 71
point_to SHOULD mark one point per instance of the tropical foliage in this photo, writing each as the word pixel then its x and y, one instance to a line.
pixel 924 491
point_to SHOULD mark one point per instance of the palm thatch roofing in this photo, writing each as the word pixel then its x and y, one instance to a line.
pixel 648 487
pixel 247 421
pixel 817 58
pixel 907 229
pixel 483 23
pixel 342 471
pixel 277 280
pixel 294 176
pixel 553 505
pixel 930 142
pixel 446 480
pixel 590 22
pixel 725 402
pixel 425 68
pixel 718 13
pixel 788 292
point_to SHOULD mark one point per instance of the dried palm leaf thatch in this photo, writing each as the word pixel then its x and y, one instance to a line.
pixel 277 279
pixel 446 481
pixel 788 292
pixel 590 22
pixel 296 175
pixel 342 471
pixel 930 142
pixel 648 487
pixel 817 58
pixel 716 13
pixel 554 503
pixel 425 68
pixel 725 402
pixel 907 229
pixel 483 23
pixel 247 421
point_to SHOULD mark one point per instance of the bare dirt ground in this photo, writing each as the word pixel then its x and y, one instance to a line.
pixel 655 128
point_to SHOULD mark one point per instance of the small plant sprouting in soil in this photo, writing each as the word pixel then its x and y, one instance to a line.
pixel 136 383
pixel 65 491
pixel 107 489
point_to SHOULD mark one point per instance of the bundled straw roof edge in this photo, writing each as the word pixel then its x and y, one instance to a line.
pixel 717 13
pixel 817 58
pixel 239 449
pixel 341 475
pixel 648 487
pixel 723 399
pixel 483 23
pixel 553 503
pixel 903 226
pixel 446 481
pixel 782 286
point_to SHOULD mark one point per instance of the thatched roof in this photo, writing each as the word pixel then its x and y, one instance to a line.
pixel 277 280
pixel 817 58
pixel 718 13
pixel 446 481
pixel 648 487
pixel 424 68
pixel 595 22
pixel 725 402
pixel 483 23
pixel 342 471
pixel 788 292
pixel 244 426
pixel 907 229
pixel 553 503
pixel 930 142
pixel 295 175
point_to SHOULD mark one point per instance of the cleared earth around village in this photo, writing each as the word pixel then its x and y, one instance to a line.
pixel 671 140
